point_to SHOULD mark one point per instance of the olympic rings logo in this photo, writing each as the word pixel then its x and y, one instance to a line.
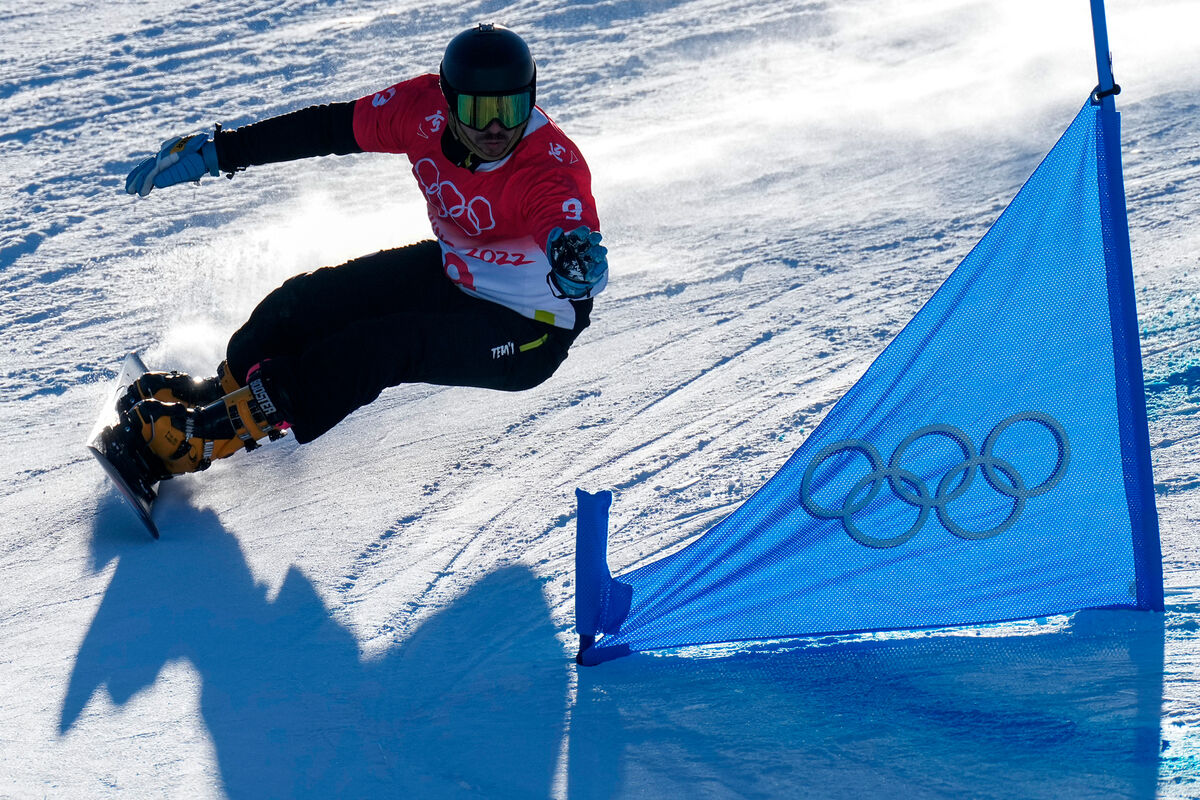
pixel 474 216
pixel 912 489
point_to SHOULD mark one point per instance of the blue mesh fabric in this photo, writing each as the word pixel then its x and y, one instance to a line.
pixel 987 466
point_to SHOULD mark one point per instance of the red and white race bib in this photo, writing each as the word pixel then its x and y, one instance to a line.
pixel 492 223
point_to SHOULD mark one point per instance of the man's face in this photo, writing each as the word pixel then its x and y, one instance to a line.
pixel 494 140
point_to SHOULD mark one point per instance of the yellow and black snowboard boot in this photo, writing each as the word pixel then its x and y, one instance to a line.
pixel 179 387
pixel 189 439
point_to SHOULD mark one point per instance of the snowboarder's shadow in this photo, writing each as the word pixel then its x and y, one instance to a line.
pixel 292 708
pixel 1070 713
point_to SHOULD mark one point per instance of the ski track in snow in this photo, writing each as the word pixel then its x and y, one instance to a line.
pixel 389 609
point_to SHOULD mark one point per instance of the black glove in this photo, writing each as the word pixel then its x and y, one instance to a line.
pixel 578 262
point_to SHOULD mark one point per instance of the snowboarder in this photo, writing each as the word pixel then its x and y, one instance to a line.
pixel 495 301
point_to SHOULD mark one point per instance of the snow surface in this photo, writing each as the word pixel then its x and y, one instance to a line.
pixel 388 611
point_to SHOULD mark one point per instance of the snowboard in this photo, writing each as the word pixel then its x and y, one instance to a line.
pixel 115 445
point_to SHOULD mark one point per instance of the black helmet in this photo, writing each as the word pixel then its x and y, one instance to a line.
pixel 488 59
pixel 488 74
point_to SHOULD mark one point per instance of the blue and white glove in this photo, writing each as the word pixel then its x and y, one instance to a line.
pixel 578 262
pixel 184 158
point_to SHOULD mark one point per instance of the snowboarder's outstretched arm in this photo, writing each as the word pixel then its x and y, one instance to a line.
pixel 320 130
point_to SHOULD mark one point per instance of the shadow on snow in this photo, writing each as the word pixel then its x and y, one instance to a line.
pixel 291 707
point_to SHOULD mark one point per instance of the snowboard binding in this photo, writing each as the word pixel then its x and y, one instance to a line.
pixel 112 441
pixel 123 446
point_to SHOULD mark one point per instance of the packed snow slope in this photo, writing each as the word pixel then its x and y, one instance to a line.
pixel 388 611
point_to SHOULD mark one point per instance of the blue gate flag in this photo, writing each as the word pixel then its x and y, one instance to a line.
pixel 992 464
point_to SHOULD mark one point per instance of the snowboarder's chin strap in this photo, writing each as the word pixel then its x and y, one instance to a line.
pixel 459 149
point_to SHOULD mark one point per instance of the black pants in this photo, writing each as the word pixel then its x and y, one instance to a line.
pixel 339 336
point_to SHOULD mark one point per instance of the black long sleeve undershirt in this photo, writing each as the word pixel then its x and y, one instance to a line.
pixel 320 130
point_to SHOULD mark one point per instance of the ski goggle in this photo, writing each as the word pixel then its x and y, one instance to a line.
pixel 478 110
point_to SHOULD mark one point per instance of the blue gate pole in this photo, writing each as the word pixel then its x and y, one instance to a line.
pixel 1103 56
pixel 1131 413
